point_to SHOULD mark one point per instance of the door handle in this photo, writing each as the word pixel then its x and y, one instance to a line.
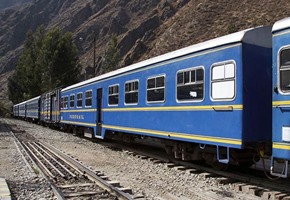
pixel 223 108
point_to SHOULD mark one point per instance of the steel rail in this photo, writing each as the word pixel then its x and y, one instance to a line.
pixel 238 176
pixel 51 157
pixel 55 190
pixel 55 154
pixel 47 161
pixel 91 175
pixel 39 161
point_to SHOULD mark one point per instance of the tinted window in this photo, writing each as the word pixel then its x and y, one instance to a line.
pixel 88 98
pixel 285 70
pixel 72 101
pixel 65 102
pixel 79 99
pixel 190 84
pixel 114 95
pixel 131 92
pixel 156 89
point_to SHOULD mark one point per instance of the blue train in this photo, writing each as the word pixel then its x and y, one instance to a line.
pixel 224 101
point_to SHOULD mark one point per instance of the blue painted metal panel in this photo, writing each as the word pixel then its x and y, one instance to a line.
pixel 187 121
pixel 198 122
pixel 257 75
pixel 83 115
pixel 32 108
pixel 16 110
pixel 22 110
pixel 281 104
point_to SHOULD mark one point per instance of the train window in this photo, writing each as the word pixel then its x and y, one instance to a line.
pixel 190 84
pixel 72 101
pixel 79 100
pixel 113 95
pixel 285 70
pixel 223 81
pixel 88 102
pixel 156 89
pixel 65 102
pixel 131 92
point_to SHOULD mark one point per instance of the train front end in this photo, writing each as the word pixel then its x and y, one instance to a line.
pixel 281 98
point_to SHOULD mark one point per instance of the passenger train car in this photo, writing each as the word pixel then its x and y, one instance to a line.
pixel 28 109
pixel 206 97
pixel 50 107
pixel 211 101
pixel 281 95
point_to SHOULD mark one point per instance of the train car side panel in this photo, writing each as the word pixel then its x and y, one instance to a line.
pixel 32 108
pixel 50 107
pixel 178 118
pixel 257 94
pixel 281 96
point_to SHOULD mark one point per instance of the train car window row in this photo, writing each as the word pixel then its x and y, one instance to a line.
pixel 79 100
pixel 72 101
pixel 156 89
pixel 113 95
pixel 284 70
pixel 131 92
pixel 88 102
pixel 223 81
pixel 190 84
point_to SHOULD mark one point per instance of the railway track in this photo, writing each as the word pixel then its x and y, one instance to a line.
pixel 68 178
pixel 248 181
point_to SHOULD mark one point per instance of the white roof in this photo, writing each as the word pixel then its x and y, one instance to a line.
pixel 35 98
pixel 260 36
pixel 281 24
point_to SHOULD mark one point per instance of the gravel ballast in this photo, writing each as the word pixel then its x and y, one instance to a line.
pixel 154 181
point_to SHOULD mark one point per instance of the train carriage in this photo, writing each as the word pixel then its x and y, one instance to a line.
pixel 22 109
pixel 16 110
pixel 50 107
pixel 208 101
pixel 281 96
pixel 32 109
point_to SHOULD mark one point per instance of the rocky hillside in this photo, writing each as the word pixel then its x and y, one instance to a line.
pixel 145 28
pixel 10 3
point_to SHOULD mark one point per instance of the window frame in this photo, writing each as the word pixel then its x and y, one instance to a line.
pixel 112 94
pixel 65 102
pixel 70 101
pixel 176 83
pixel 131 81
pixel 78 100
pixel 225 80
pixel 286 92
pixel 164 87
pixel 87 91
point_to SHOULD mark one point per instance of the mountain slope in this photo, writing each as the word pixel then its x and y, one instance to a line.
pixel 145 28
pixel 9 3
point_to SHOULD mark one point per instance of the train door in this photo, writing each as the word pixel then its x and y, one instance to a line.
pixel 53 108
pixel 99 111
